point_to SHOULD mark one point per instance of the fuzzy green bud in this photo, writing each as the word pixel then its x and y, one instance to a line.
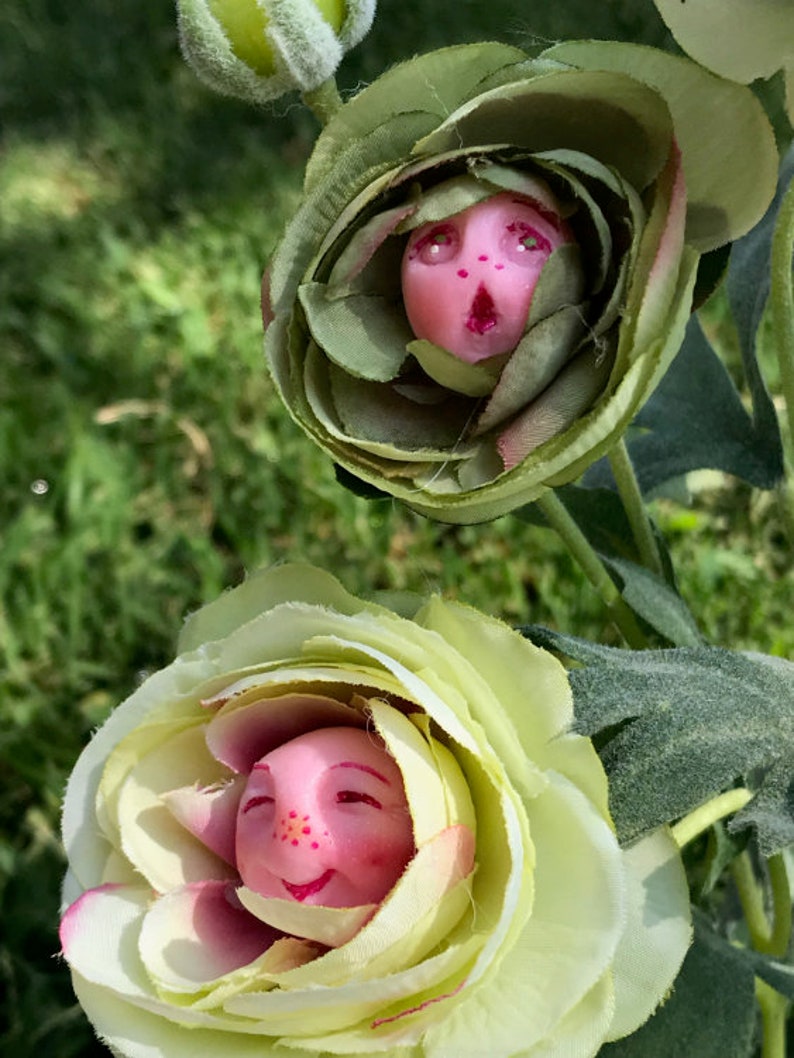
pixel 259 49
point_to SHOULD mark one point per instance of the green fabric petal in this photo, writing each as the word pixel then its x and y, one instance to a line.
pixel 560 283
pixel 614 118
pixel 571 393
pixel 730 167
pixel 472 380
pixel 376 411
pixel 451 74
pixel 738 39
pixel 537 360
pixel 360 250
pixel 365 335
pixel 445 200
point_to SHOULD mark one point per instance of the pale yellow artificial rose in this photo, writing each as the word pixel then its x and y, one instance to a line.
pixel 517 926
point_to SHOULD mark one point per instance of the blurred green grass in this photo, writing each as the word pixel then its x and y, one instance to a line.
pixel 145 461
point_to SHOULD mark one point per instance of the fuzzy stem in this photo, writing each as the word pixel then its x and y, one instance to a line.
pixel 323 101
pixel 705 816
pixel 636 512
pixel 780 933
pixel 781 302
pixel 592 567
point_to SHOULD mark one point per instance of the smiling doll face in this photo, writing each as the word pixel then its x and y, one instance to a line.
pixel 468 281
pixel 324 820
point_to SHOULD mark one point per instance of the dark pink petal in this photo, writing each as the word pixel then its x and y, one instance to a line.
pixel 239 736
pixel 209 813
pixel 199 932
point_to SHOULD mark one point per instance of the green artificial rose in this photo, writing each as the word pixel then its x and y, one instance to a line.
pixel 517 927
pixel 260 50
pixel 618 148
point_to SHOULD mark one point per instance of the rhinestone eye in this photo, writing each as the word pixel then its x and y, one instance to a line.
pixel 523 244
pixel 436 246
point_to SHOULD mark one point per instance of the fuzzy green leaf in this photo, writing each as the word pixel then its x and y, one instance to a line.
pixel 680 726
pixel 710 1013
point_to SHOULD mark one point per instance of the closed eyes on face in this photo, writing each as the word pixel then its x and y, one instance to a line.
pixel 347 797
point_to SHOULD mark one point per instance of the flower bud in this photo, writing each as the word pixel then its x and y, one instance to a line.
pixel 260 49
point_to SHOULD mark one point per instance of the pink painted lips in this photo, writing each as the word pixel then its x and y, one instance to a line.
pixel 301 892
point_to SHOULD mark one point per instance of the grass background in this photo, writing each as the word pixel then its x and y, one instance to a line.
pixel 145 462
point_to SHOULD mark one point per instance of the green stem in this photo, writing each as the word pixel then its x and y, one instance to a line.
pixel 780 933
pixel 323 101
pixel 774 1008
pixel 772 939
pixel 781 302
pixel 592 567
pixel 751 898
pixel 700 819
pixel 635 509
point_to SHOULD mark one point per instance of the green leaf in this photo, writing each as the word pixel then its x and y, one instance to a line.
pixel 364 334
pixel 771 811
pixel 710 1013
pixel 655 602
pixel 748 292
pixel 730 167
pixel 680 726
pixel 696 420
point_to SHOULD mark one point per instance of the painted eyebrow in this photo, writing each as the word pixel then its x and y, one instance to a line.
pixel 361 767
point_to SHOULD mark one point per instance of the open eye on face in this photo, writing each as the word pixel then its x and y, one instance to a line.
pixel 524 244
pixel 351 797
pixel 439 244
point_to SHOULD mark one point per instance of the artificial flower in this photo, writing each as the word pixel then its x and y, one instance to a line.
pixel 513 922
pixel 618 180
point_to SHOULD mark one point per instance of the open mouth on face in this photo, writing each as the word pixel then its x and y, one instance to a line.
pixel 301 892
pixel 482 312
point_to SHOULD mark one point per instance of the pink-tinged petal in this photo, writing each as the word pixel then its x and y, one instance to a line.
pixel 240 734
pixel 209 813
pixel 662 279
pixel 77 919
pixel 196 934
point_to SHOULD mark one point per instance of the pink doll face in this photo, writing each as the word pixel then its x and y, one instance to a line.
pixel 468 280
pixel 324 820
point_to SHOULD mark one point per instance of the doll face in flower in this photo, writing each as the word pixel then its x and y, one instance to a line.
pixel 468 280
pixel 324 820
